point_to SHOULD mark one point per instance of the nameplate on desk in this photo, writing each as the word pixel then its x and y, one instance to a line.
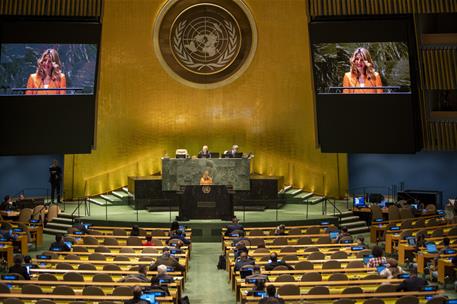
pixel 206 204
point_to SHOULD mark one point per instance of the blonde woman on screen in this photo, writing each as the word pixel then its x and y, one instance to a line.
pixel 362 74
pixel 48 75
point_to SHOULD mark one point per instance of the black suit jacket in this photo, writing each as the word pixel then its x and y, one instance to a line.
pixel 22 270
pixel 412 284
pixel 201 154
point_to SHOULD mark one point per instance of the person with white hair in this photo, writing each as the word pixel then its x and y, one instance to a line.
pixel 233 153
pixel 204 153
pixel 162 276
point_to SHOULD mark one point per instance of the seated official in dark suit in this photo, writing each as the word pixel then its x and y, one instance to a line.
pixel 271 296
pixel 275 262
pixel 141 276
pixel 243 260
pixel 180 236
pixel 137 292
pixel 162 276
pixel 413 283
pixel 167 260
pixel 59 244
pixel 235 225
pixel 233 153
pixel 204 153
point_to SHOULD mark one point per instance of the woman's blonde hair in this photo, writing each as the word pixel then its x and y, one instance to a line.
pixel 56 64
pixel 369 66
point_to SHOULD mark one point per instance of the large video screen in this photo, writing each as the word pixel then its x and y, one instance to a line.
pixel 365 84
pixel 47 69
pixel 48 84
pixel 362 67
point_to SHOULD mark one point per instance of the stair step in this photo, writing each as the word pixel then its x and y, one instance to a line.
pixel 286 188
pixel 293 191
pixel 66 215
pixel 120 194
pixel 111 198
pixel 54 231
pixel 99 201
pixel 350 218
pixel 125 189
pixel 355 224
pixel 358 230
pixel 304 195
pixel 314 199
pixel 62 220
pixel 58 225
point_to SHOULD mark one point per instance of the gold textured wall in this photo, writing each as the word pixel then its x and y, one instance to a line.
pixel 143 112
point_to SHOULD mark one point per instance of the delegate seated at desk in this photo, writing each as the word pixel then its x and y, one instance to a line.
pixel 204 153
pixel 206 179
pixel 233 153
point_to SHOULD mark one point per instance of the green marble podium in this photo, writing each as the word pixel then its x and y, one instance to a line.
pixel 177 172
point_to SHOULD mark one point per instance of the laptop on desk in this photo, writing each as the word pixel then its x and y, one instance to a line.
pixel 431 247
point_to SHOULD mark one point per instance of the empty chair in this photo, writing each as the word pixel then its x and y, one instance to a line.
pixel 408 300
pixel 376 212
pixel 94 232
pixel 39 212
pixel 31 289
pixel 338 277
pixel 313 230
pixel 256 233
pixel 119 232
pixel 80 249
pixel 420 222
pixel 156 242
pixel 146 258
pixel 339 255
pixel 452 231
pixel 430 209
pixel 257 242
pixel 13 301
pixel 122 291
pixel 394 213
pixel 344 301
pixel 346 239
pixel 121 258
pixel 127 250
pixel 25 215
pixel 319 290
pixel 290 258
pixel 72 257
pixel 280 267
pixel 288 249
pixel 134 241
pixel 69 239
pixel 374 301
pixel 372 276
pixel 304 241
pixel 352 289
pixel 102 277
pixel 93 291
pixel 332 264
pixel 47 277
pixel 111 267
pixel 295 231
pixel 288 290
pixel 316 256
pixel 386 288
pixel 311 277
pixel 65 266
pixel 285 278
pixel 355 264
pixel 437 300
pixel 304 265
pixel 158 233
pixel 97 257
pixel 110 241
pixel 406 213
pixel 437 233
pixel 148 250
pixel 280 241
pixel 311 249
pixel 324 240
pixel 174 242
pixel 73 277
pixel 63 290
pixel 87 267
pixel 45 301
pixel 90 240
pixel 432 222
pixel 4 288
pixel 361 253
pixel 408 223
pixel 405 233
pixel 262 250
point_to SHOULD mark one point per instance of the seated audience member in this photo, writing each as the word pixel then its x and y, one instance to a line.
pixel 271 297
pixel 239 248
pixel 137 292
pixel 243 260
pixel 344 233
pixel 148 241
pixel 413 283
pixel 258 277
pixel 59 244
pixel 7 204
pixel 141 276
pixel 239 238
pixel 180 236
pixel 273 262
pixel 378 259
pixel 235 225
pixel 434 265
pixel 167 260
pixel 80 226
pixel 135 231
pixel 447 246
pixel 7 233
pixel 174 227
pixel 280 230
pixel 162 275
pixel 392 270
pixel 19 268
pixel 360 240
pixel 28 262
pixel 420 241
